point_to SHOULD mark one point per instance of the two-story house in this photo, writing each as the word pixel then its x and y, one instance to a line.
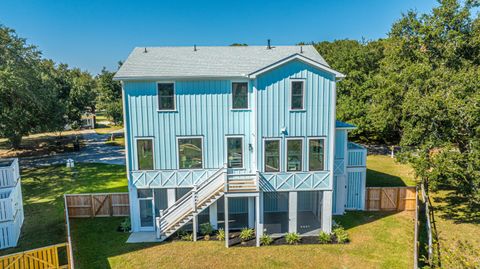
pixel 237 137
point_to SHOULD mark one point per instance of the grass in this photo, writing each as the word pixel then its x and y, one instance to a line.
pixel 379 240
pixel 458 231
pixel 118 141
pixel 43 190
pixel 383 171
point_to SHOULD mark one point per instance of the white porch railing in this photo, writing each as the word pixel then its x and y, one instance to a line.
pixel 9 173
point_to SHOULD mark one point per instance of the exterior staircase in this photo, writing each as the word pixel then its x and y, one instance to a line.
pixel 200 198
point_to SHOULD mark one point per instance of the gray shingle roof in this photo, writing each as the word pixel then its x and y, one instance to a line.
pixel 228 61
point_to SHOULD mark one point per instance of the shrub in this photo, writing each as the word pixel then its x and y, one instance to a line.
pixel 266 240
pixel 206 229
pixel 324 238
pixel 246 234
pixel 125 226
pixel 187 237
pixel 341 235
pixel 292 238
pixel 221 235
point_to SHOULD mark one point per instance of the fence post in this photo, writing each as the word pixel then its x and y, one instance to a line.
pixel 69 239
pixel 416 243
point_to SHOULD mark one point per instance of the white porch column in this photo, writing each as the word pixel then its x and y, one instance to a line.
pixel 213 216
pixel 258 231
pixel 226 220
pixel 251 212
pixel 326 214
pixel 261 220
pixel 292 211
pixel 194 227
pixel 170 197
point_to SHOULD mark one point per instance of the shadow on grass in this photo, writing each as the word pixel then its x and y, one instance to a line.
pixel 358 218
pixel 380 179
pixel 456 208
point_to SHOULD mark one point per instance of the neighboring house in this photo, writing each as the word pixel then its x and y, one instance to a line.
pixel 238 137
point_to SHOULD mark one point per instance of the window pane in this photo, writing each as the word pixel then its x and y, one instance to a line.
pixel 240 95
pixel 166 96
pixel 235 152
pixel 294 155
pixel 144 193
pixel 190 153
pixel 272 156
pixel 315 157
pixel 297 95
pixel 145 154
pixel 146 213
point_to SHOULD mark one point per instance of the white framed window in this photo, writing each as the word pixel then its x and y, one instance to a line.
pixel 297 94
pixel 271 154
pixel 240 95
pixel 235 153
pixel 316 154
pixel 166 96
pixel 146 208
pixel 145 153
pixel 294 152
pixel 190 152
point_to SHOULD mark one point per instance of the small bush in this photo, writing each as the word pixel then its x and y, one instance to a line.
pixel 206 228
pixel 266 240
pixel 324 238
pixel 246 234
pixel 292 238
pixel 187 237
pixel 125 226
pixel 221 235
pixel 341 235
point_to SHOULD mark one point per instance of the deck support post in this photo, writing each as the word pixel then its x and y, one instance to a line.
pixel 226 220
pixel 170 197
pixel 292 211
pixel 258 229
pixel 213 215
pixel 326 214
pixel 194 227
pixel 251 212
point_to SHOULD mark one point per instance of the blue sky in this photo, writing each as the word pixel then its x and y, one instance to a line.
pixel 93 34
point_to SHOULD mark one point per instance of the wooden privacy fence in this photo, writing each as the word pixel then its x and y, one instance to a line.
pixel 390 198
pixel 51 257
pixel 97 205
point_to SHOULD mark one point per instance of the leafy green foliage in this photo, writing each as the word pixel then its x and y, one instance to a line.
pixel 341 235
pixel 109 96
pixel 186 237
pixel 126 225
pixel 206 228
pixel 221 235
pixel 246 234
pixel 266 240
pixel 324 238
pixel 292 238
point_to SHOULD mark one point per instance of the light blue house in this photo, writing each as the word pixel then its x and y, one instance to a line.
pixel 238 137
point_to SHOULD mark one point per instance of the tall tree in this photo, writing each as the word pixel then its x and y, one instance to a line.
pixel 110 95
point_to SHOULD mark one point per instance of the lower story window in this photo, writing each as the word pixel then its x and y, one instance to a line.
pixel 235 152
pixel 272 155
pixel 145 154
pixel 316 155
pixel 294 155
pixel 190 153
pixel 145 200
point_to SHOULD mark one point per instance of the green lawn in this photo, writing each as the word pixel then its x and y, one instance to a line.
pixel 43 190
pixel 118 141
pixel 383 171
pixel 378 240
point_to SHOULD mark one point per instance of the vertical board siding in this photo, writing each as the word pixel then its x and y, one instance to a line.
pixel 202 109
pixel 340 145
pixel 355 189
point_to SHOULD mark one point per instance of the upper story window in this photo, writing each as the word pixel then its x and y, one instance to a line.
pixel 235 152
pixel 297 94
pixel 272 155
pixel 294 155
pixel 166 96
pixel 316 154
pixel 145 154
pixel 240 95
pixel 190 153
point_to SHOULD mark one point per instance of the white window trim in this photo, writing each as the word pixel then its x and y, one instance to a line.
pixel 151 199
pixel 135 139
pixel 243 150
pixel 291 93
pixel 303 153
pixel 279 153
pixel 324 152
pixel 174 96
pixel 249 107
pixel 178 152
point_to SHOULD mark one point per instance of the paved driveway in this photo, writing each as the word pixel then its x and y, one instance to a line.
pixel 94 151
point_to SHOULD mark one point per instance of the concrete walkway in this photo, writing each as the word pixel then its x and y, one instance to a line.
pixel 94 151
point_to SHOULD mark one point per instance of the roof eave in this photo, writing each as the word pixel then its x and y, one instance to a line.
pixel 155 78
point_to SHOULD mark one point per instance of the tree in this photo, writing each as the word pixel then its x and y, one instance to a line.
pixel 110 95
